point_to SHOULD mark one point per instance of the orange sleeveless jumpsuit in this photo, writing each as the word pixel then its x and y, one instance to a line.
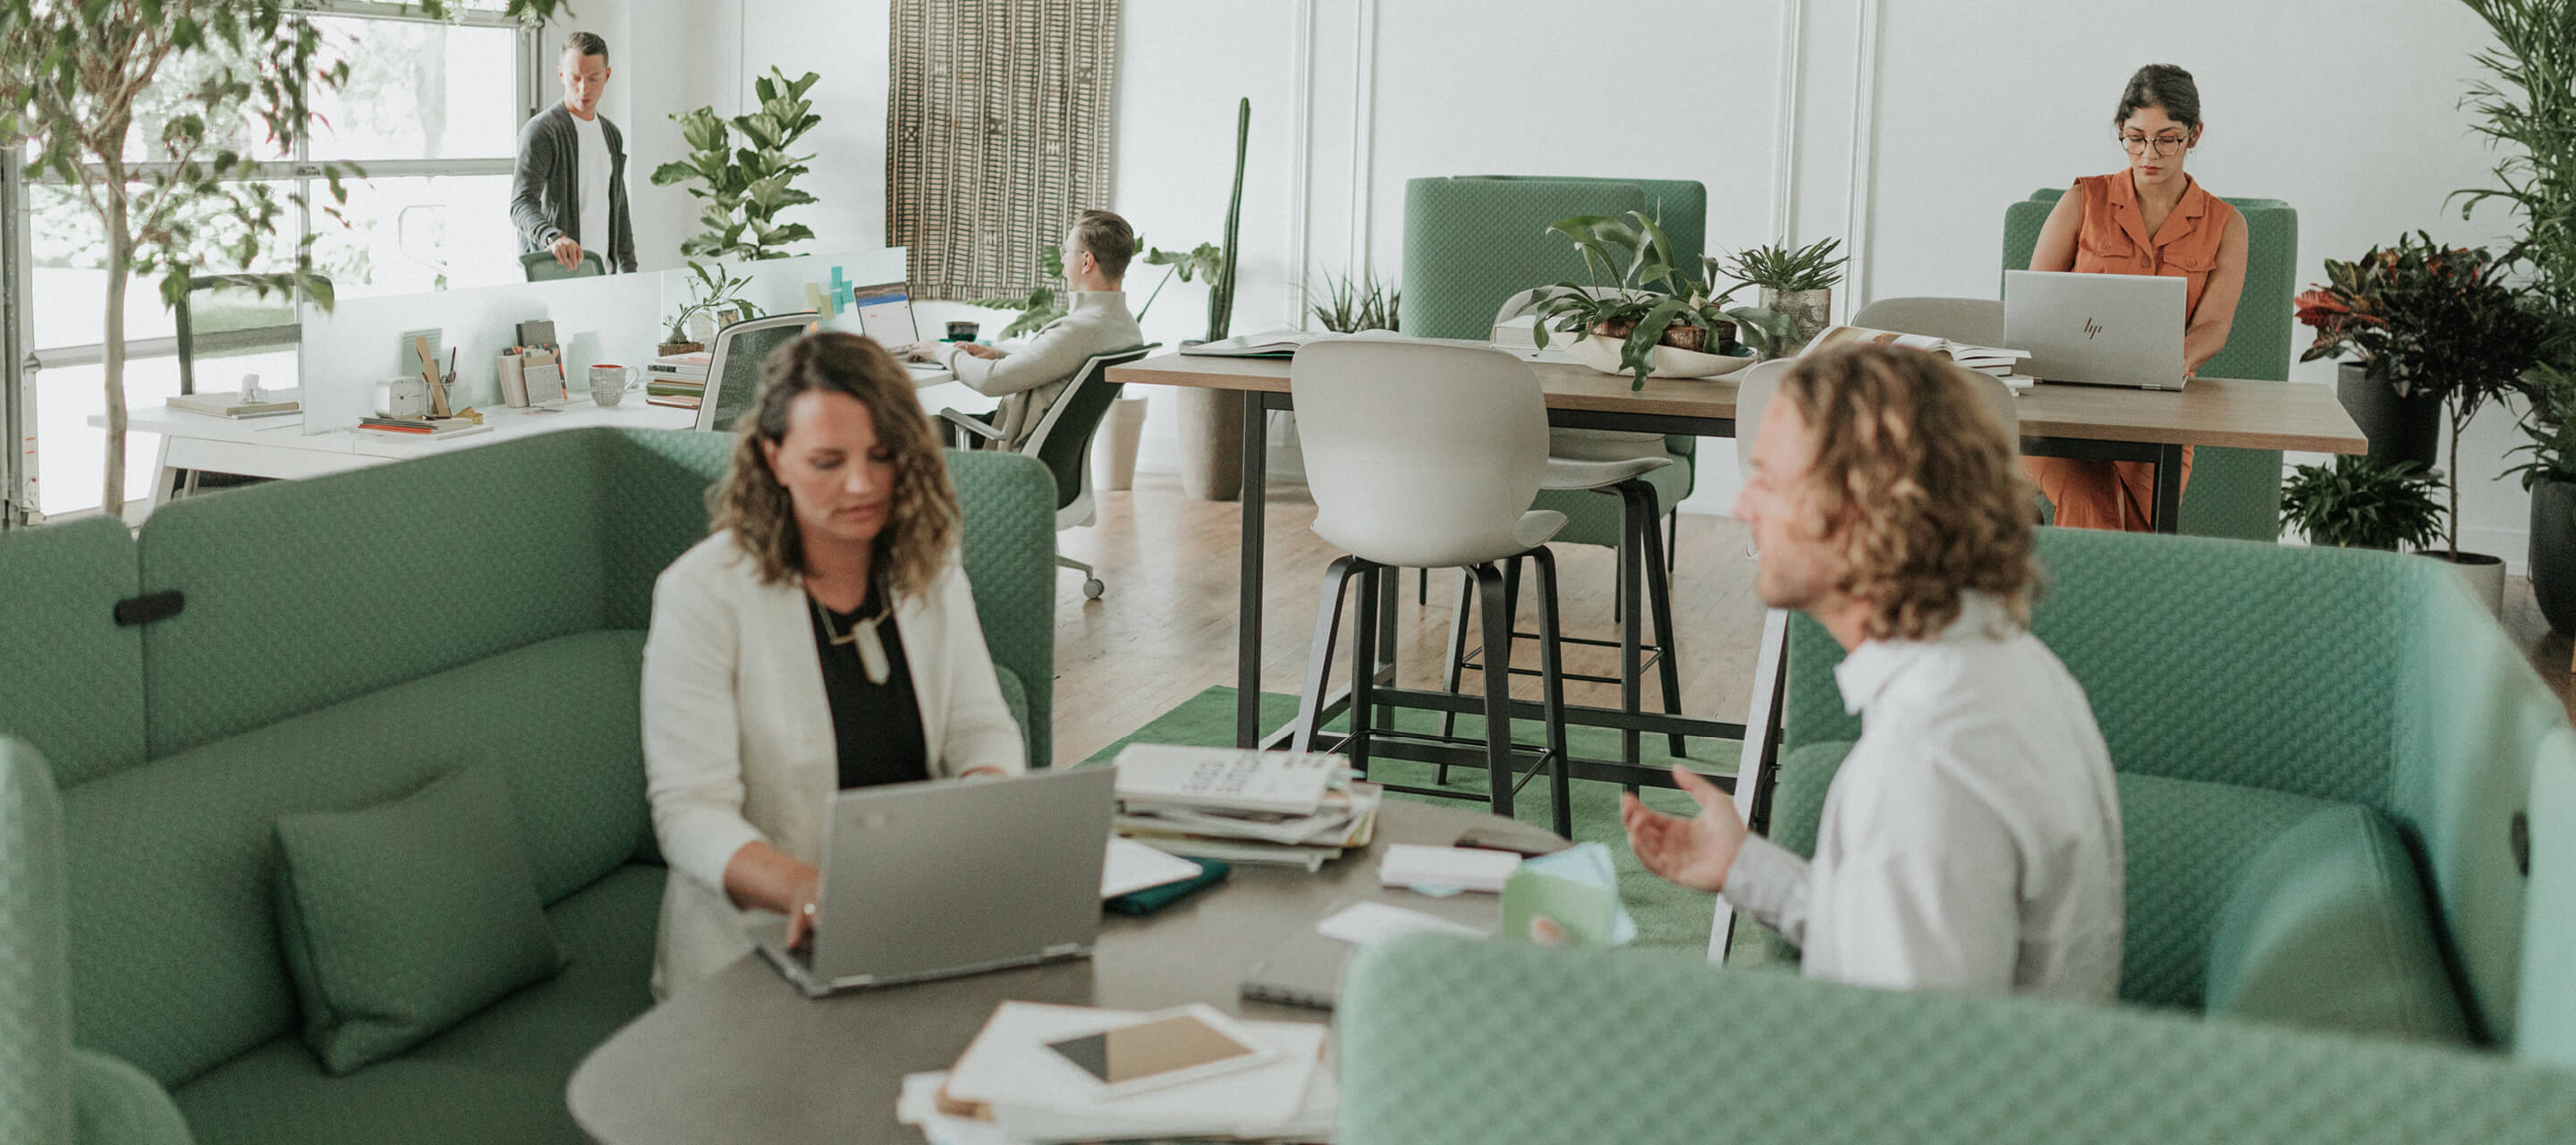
pixel 2114 240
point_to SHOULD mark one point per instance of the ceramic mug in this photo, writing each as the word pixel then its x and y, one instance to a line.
pixel 609 383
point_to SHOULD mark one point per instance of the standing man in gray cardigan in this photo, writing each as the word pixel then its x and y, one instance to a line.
pixel 568 187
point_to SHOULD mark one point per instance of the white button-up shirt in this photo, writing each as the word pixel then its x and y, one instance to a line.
pixel 1971 839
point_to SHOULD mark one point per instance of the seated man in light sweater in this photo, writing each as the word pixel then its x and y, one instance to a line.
pixel 1972 837
pixel 1029 380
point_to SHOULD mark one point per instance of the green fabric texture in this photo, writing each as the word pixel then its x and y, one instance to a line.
pixel 2233 492
pixel 116 1104
pixel 1437 1037
pixel 1472 241
pixel 403 919
pixel 499 1076
pixel 1008 544
pixel 2188 844
pixel 72 672
pixel 2326 927
pixel 35 971
pixel 2548 1022
pixel 191 974
pixel 2355 677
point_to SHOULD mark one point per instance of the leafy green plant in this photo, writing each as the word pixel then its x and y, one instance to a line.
pixel 1783 270
pixel 1203 261
pixel 2551 425
pixel 711 291
pixel 1351 305
pixel 1639 292
pixel 2527 107
pixel 1048 300
pixel 2363 504
pixel 745 187
pixel 71 77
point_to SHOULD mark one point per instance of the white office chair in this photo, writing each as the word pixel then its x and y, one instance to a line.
pixel 1426 455
pixel 1063 441
pixel 1971 321
pixel 733 366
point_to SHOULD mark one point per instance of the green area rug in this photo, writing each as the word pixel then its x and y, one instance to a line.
pixel 1667 915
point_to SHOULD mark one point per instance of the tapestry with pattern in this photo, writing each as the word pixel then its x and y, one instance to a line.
pixel 997 135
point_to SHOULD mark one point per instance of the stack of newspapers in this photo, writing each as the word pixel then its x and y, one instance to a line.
pixel 1242 806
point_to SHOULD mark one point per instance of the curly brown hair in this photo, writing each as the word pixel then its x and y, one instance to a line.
pixel 1923 477
pixel 921 524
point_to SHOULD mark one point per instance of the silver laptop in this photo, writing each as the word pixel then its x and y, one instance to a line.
pixel 938 879
pixel 884 315
pixel 2097 329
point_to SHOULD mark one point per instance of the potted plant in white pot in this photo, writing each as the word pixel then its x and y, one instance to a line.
pixel 2360 503
pixel 1643 312
pixel 1796 282
pixel 2550 476
pixel 2453 330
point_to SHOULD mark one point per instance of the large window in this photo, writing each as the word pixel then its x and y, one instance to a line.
pixel 430 113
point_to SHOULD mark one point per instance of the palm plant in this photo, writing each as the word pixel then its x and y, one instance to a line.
pixel 745 187
pixel 1783 270
pixel 2527 106
pixel 1352 305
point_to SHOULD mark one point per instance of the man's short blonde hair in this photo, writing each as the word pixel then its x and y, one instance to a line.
pixel 1915 478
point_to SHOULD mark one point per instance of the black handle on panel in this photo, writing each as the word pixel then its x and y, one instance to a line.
pixel 149 607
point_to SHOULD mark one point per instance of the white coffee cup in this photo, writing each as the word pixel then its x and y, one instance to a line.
pixel 609 383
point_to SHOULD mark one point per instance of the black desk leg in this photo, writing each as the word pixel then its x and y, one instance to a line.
pixel 2168 488
pixel 1247 633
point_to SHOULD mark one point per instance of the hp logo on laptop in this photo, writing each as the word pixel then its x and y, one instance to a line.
pixel 2091 328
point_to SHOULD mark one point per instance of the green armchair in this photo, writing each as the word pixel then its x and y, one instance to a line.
pixel 2233 492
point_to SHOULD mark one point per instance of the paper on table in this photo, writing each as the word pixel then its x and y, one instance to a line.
pixel 1362 923
pixel 1474 868
pixel 1133 866
pixel 1036 1095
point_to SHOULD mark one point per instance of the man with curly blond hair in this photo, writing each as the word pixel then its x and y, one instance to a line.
pixel 1971 838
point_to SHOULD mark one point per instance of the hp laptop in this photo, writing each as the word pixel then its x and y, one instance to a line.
pixel 2097 329
pixel 945 878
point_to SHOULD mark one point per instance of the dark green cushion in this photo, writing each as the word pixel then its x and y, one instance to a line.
pixel 2326 927
pixel 498 1076
pixel 1471 242
pixel 401 919
pixel 115 1104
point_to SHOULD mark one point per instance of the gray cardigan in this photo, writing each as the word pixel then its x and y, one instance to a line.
pixel 545 191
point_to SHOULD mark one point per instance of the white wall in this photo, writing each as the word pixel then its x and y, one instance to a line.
pixel 1939 114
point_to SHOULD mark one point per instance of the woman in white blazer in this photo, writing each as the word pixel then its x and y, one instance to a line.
pixel 824 637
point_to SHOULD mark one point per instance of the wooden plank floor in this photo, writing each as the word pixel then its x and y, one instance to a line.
pixel 1165 629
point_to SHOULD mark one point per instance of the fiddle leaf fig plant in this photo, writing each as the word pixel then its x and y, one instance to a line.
pixel 744 187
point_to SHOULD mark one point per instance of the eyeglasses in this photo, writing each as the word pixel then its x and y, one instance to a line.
pixel 2165 144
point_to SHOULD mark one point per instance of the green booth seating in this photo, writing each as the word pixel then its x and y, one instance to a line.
pixel 2350 816
pixel 344 640
pixel 1473 241
pixel 2233 492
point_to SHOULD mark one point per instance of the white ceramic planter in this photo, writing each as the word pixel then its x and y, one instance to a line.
pixel 1670 362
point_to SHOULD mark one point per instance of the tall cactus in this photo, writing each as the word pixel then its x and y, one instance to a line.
pixel 1221 292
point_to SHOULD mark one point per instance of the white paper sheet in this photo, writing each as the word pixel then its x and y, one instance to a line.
pixel 1363 923
pixel 1133 866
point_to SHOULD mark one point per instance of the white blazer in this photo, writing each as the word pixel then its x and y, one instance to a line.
pixel 738 737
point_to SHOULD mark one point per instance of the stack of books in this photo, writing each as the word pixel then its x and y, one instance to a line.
pixel 1289 808
pixel 677 380
pixel 422 427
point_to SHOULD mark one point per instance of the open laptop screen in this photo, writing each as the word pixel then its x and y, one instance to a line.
pixel 885 314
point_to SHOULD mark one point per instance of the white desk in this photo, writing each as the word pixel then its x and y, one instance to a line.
pixel 278 447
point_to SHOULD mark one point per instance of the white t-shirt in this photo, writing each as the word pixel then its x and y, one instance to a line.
pixel 591 172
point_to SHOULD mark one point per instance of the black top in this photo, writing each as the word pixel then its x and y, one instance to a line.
pixel 878 726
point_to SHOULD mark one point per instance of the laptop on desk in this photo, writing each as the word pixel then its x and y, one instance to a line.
pixel 2097 329
pixel 948 878
pixel 883 314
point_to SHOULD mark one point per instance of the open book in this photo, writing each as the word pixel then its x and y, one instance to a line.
pixel 1267 344
pixel 1983 359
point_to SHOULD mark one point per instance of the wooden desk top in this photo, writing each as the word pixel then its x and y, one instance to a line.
pixel 2210 411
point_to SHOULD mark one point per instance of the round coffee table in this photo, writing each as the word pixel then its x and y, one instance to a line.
pixel 746 1057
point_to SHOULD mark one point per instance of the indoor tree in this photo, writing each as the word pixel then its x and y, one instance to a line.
pixel 745 187
pixel 71 79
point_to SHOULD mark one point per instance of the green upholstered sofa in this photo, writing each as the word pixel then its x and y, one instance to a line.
pixel 2233 492
pixel 1473 241
pixel 2334 772
pixel 342 640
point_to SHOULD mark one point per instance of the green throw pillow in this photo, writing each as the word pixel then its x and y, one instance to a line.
pixel 405 918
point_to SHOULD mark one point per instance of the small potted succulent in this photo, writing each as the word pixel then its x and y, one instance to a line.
pixel 2550 475
pixel 1643 312
pixel 1797 282
pixel 2360 503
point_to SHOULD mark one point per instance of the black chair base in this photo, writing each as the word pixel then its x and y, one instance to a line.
pixel 1503 770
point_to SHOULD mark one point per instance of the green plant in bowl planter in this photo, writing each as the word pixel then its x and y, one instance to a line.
pixel 1642 296
pixel 2363 504
pixel 710 292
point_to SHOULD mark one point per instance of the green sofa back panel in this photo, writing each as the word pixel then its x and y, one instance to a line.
pixel 35 908
pixel 653 502
pixel 1471 242
pixel 2242 497
pixel 74 678
pixel 2547 1024
pixel 1009 550
pixel 305 593
pixel 186 971
pixel 1648 1048
pixel 2472 718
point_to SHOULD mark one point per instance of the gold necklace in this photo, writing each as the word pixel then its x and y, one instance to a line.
pixel 872 653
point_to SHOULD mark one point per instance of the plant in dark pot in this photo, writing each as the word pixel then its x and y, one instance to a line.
pixel 2349 312
pixel 2359 503
pixel 2452 329
pixel 2550 476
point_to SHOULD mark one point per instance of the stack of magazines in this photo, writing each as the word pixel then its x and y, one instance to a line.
pixel 1241 806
